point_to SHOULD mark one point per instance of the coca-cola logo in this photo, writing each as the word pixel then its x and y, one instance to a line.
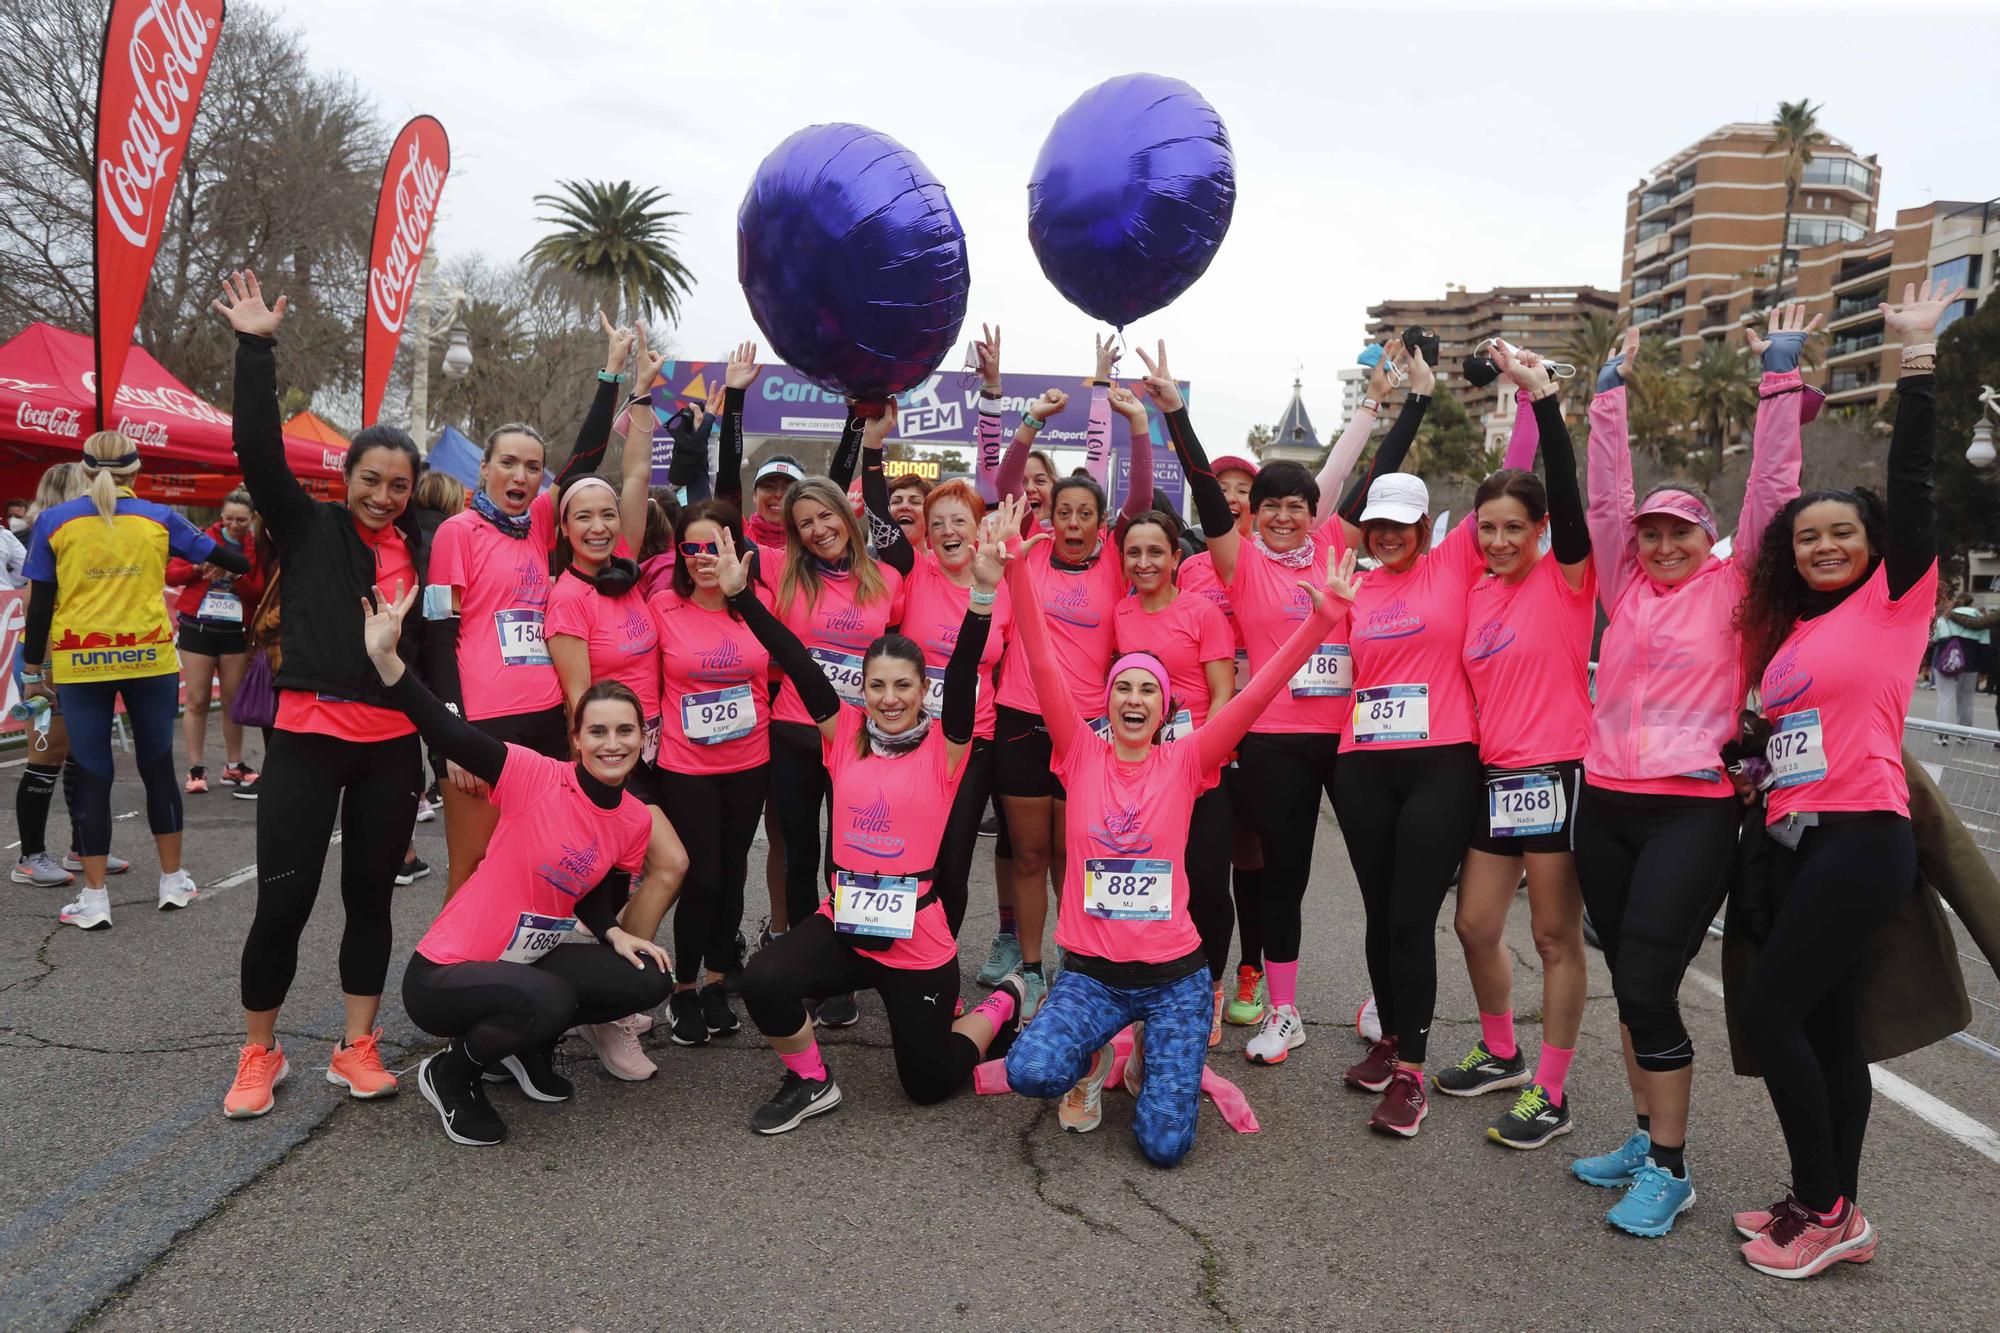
pixel 64 422
pixel 143 433
pixel 135 175
pixel 418 185
pixel 171 399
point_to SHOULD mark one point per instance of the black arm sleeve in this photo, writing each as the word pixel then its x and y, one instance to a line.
pixel 1569 537
pixel 1209 505
pixel 688 467
pixel 598 910
pixel 441 664
pixel 593 437
pixel 1389 455
pixel 816 692
pixel 1911 545
pixel 257 432
pixel 961 678
pixel 227 557
pixel 451 736
pixel 41 614
pixel 898 554
pixel 847 453
pixel 729 461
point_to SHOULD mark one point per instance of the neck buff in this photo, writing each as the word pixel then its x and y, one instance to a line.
pixel 763 531
pixel 887 746
pixel 514 525
pixel 1079 566
pixel 1297 558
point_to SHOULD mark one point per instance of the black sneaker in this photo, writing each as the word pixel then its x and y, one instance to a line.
pixel 1482 1071
pixel 413 870
pixel 839 1011
pixel 451 1083
pixel 797 1100
pixel 689 1027
pixel 989 827
pixel 535 1072
pixel 715 1010
pixel 1532 1121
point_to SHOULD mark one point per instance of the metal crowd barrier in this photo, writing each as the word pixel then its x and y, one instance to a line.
pixel 1965 764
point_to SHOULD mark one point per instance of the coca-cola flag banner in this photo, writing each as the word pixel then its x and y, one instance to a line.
pixel 156 59
pixel 411 185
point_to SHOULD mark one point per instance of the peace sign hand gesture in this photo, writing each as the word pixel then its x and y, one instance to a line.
pixel 986 352
pixel 1159 381
pixel 647 368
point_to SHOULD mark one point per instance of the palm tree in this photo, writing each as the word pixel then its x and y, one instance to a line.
pixel 611 238
pixel 1657 398
pixel 1795 133
pixel 1722 394
pixel 1589 345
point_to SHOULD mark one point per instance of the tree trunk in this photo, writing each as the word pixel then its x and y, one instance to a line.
pixel 1785 237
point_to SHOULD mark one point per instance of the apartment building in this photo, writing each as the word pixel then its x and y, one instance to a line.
pixel 1541 318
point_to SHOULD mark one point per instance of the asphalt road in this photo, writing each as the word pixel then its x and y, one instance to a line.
pixel 130 1202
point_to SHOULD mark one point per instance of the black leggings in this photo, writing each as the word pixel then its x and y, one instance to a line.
pixel 307 778
pixel 800 789
pixel 1288 773
pixel 1210 840
pixel 1407 816
pixel 1247 887
pixel 32 800
pixel 810 960
pixel 1654 870
pixel 716 815
pixel 500 1009
pixel 1843 883
pixel 961 832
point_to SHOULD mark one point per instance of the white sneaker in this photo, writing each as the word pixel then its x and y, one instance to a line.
pixel 113 865
pixel 90 911
pixel 1368 1022
pixel 176 890
pixel 618 1050
pixel 1283 1030
pixel 425 811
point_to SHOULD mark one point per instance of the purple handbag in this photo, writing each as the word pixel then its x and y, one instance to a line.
pixel 256 701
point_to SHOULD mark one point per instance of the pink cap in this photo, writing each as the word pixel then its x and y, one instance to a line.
pixel 1681 504
pixel 1232 463
pixel 1142 662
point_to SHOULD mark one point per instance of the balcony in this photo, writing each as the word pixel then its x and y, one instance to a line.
pixel 1850 378
pixel 1838 173
pixel 1859 303
pixel 1853 343
pixel 1646 286
pixel 1853 270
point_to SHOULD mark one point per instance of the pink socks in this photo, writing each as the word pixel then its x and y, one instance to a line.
pixel 1283 980
pixel 806 1064
pixel 1497 1031
pixel 1553 1069
pixel 996 1008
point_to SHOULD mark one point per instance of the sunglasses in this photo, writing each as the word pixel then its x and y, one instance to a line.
pixel 699 548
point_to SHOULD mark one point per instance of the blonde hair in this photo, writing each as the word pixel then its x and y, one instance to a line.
pixel 59 485
pixel 440 491
pixel 802 566
pixel 102 483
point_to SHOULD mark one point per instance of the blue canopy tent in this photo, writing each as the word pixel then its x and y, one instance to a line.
pixel 454 455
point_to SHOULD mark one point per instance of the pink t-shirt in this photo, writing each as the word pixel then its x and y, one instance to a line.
pixel 552 846
pixel 715 688
pixel 1185 634
pixel 1408 633
pixel 933 609
pixel 503 583
pixel 1197 575
pixel 837 632
pixel 619 632
pixel 350 719
pixel 1120 817
pixel 1270 604
pixel 1527 654
pixel 1078 607
pixel 1836 694
pixel 888 819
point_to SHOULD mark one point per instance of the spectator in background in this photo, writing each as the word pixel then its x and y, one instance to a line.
pixel 1961 644
pixel 13 555
pixel 213 610
pixel 17 516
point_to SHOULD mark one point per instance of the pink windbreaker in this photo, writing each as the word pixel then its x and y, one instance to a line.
pixel 1670 669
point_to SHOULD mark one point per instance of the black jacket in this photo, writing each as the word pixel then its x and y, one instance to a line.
pixel 327 568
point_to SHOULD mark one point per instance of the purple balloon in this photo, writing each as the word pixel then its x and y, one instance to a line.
pixel 1131 195
pixel 852 260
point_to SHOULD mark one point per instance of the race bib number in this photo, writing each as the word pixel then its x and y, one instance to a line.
pixel 1123 889
pixel 1523 804
pixel 521 638
pixel 1392 713
pixel 1242 669
pixel 716 716
pixel 655 728
pixel 881 905
pixel 1328 673
pixel 1797 749
pixel 220 605
pixel 535 935
pixel 842 671
pixel 934 691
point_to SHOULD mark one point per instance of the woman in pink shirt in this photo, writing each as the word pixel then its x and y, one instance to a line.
pixel 1132 952
pixel 1835 624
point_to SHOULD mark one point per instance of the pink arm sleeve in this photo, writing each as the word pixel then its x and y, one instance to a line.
pixel 1611 501
pixel 1051 690
pixel 1340 459
pixel 1097 437
pixel 1218 740
pixel 1774 462
pixel 1521 444
pixel 1140 498
pixel 986 445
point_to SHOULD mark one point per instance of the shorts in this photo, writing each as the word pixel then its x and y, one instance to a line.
pixel 544 732
pixel 212 638
pixel 1568 777
pixel 1022 755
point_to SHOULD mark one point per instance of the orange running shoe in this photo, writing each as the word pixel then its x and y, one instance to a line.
pixel 258 1070
pixel 357 1066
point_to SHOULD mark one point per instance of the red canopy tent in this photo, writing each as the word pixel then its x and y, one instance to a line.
pixel 48 406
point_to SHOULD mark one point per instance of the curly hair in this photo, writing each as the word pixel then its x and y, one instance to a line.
pixel 1777 593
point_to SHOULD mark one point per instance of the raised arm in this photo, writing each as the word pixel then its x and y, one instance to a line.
pixel 1014 464
pixel 1395 446
pixel 1521 441
pixel 256 428
pixel 1097 428
pixel 636 482
pixel 1035 646
pixel 443 729
pixel 1609 513
pixel 1218 524
pixel 1139 496
pixel 959 715
pixel 822 702
pixel 1346 450
pixel 1569 534
pixel 1226 726
pixel 1911 544
pixel 593 436
pixel 1775 447
pixel 847 451
pixel 986 431
pixel 740 375
pixel 885 534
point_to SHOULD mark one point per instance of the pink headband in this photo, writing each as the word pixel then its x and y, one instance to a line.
pixel 1668 500
pixel 1143 662
pixel 584 483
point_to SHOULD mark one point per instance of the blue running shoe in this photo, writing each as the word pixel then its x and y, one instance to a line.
pixel 1656 1198
pixel 1615 1169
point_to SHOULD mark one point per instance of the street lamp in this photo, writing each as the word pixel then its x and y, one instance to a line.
pixel 457 358
pixel 1981 453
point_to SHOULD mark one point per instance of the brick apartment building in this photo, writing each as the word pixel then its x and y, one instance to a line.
pixel 1541 318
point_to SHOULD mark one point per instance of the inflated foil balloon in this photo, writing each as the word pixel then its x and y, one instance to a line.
pixel 1131 196
pixel 852 260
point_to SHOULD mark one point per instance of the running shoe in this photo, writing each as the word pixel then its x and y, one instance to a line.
pixel 90 911
pixel 1657 1196
pixel 989 827
pixel 451 1083
pixel 1368 1021
pixel 1617 1168
pixel 689 1028
pixel 357 1066
pixel 1482 1071
pixel 238 775
pixel 797 1100
pixel 1082 1107
pixel 1215 1024
pixel 839 1011
pixel 1798 1244
pixel 617 1047
pixel 414 869
pixel 1403 1106
pixel 1757 1221
pixel 1003 957
pixel 41 871
pixel 720 1019
pixel 258 1070
pixel 113 865
pixel 1531 1121
pixel 1135 1064
pixel 1283 1032
pixel 426 812
pixel 197 781
pixel 177 890
pixel 1016 985
pixel 534 1072
pixel 1247 1009
pixel 1037 992
pixel 1373 1072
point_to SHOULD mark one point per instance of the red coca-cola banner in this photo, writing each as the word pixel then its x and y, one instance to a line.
pixel 411 185
pixel 156 59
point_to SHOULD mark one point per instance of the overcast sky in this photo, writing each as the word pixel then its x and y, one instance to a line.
pixel 1381 151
